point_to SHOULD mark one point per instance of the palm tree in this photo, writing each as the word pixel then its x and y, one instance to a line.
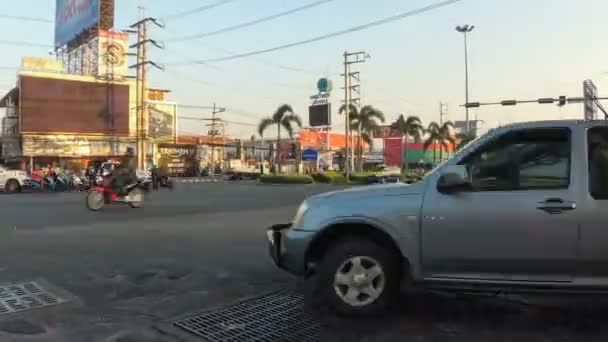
pixel 282 117
pixel 446 138
pixel 412 126
pixel 365 122
pixel 433 136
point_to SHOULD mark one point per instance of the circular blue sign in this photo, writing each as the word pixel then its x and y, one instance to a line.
pixel 309 154
pixel 324 85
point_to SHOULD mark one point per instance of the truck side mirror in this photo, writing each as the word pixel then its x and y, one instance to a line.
pixel 454 179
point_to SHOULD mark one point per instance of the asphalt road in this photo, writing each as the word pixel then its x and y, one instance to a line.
pixel 128 271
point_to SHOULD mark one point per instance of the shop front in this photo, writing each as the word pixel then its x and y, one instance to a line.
pixel 73 152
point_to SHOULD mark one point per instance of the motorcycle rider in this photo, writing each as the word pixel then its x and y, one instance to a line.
pixel 124 174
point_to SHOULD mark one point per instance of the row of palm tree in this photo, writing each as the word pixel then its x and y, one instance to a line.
pixel 436 135
pixel 364 121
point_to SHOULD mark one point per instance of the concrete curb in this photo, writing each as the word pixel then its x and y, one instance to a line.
pixel 197 180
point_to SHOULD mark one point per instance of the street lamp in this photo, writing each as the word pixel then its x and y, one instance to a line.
pixel 464 30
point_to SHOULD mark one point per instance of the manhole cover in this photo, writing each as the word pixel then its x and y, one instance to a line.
pixel 276 317
pixel 26 296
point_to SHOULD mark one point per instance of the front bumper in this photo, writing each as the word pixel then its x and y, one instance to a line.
pixel 287 247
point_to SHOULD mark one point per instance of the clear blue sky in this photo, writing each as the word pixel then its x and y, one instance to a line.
pixel 520 49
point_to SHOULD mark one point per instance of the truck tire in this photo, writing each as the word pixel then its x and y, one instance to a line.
pixel 12 186
pixel 358 277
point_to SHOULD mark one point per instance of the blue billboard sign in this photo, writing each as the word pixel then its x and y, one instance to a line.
pixel 72 17
pixel 309 155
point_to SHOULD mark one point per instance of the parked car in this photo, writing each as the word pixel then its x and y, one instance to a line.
pixel 13 180
pixel 524 207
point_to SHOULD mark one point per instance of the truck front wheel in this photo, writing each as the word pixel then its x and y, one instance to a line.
pixel 12 186
pixel 358 277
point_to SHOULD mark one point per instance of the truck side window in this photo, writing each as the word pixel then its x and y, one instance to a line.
pixel 522 160
pixel 597 141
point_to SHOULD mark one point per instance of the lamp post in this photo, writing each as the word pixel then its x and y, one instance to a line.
pixel 464 30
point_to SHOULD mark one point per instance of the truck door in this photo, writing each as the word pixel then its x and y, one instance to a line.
pixel 593 260
pixel 519 220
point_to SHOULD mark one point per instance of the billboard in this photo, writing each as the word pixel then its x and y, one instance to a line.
pixel 112 53
pixel 73 17
pixel 319 115
pixel 59 105
pixel 161 123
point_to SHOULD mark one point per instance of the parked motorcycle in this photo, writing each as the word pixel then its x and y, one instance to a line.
pixel 103 194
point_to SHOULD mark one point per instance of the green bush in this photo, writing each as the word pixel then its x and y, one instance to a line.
pixel 329 177
pixel 360 177
pixel 286 179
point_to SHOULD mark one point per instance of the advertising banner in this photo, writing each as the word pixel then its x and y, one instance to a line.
pixel 72 17
pixel 161 123
pixel 112 53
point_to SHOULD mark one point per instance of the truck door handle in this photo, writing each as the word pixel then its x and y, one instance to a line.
pixel 555 205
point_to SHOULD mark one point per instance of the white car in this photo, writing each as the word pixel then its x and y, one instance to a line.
pixel 13 180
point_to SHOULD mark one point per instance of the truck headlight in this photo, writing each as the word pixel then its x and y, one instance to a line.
pixel 301 211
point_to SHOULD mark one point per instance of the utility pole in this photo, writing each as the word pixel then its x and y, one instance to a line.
pixel 213 130
pixel 443 111
pixel 141 29
pixel 350 58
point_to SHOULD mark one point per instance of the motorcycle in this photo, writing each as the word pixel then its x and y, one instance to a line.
pixel 103 194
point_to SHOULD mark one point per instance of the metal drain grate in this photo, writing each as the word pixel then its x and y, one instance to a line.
pixel 279 316
pixel 26 296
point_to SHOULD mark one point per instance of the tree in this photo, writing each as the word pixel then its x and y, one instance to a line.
pixel 446 138
pixel 410 127
pixel 432 138
pixel 463 139
pixel 282 117
pixel 365 122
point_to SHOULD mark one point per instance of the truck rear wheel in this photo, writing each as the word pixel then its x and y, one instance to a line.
pixel 358 277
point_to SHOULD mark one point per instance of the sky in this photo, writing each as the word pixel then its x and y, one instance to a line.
pixel 520 49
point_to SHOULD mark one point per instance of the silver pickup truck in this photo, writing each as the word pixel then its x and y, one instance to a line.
pixel 522 208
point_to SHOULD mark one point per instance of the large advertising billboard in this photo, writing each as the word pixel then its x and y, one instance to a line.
pixel 72 17
pixel 58 105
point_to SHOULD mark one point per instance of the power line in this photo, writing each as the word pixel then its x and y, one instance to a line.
pixel 17 17
pixel 250 23
pixel 333 34
pixel 18 43
pixel 197 10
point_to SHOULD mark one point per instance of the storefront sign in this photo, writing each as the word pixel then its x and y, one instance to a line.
pixel 386 132
pixel 41 64
pixel 309 155
pixel 72 146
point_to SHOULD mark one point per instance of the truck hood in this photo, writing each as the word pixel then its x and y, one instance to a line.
pixel 366 192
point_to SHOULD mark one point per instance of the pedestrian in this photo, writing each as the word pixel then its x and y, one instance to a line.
pixel 155 177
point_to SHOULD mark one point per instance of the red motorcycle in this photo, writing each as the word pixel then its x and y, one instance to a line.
pixel 103 194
